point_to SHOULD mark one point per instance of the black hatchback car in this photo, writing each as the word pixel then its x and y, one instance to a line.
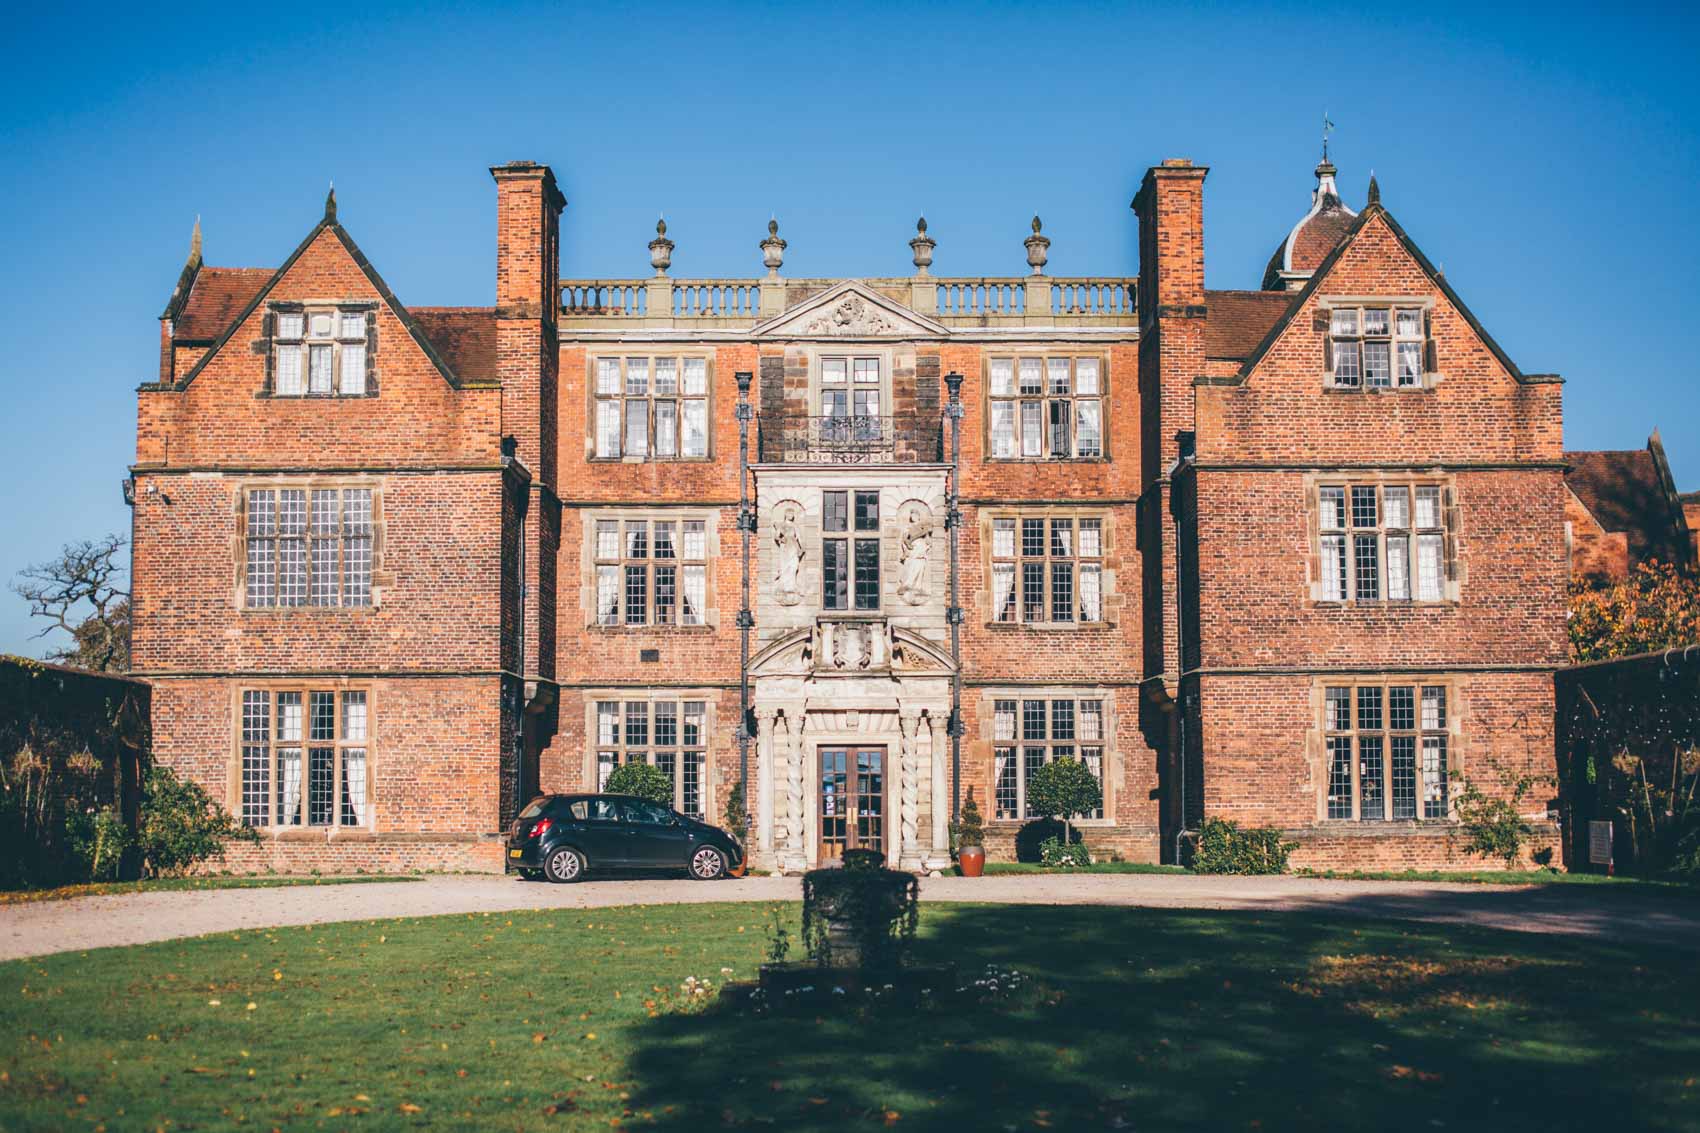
pixel 562 837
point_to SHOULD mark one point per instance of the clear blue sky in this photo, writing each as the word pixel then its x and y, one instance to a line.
pixel 1546 157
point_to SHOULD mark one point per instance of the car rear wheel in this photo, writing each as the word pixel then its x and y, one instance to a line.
pixel 707 864
pixel 564 865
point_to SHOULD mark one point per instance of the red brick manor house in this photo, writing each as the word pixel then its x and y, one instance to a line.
pixel 1292 555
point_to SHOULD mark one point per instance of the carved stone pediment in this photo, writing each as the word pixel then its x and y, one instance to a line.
pixel 851 310
pixel 850 647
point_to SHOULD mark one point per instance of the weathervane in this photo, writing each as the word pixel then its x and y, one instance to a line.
pixel 1327 128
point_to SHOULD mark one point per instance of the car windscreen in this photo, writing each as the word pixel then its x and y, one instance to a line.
pixel 535 808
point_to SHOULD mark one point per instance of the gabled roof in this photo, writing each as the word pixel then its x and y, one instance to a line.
pixel 1631 492
pixel 215 297
pixel 852 310
pixel 327 222
pixel 1373 210
pixel 1236 321
pixel 464 336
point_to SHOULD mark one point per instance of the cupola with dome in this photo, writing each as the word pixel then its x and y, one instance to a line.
pixel 1313 237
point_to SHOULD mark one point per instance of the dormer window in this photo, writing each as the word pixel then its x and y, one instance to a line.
pixel 319 352
pixel 1376 347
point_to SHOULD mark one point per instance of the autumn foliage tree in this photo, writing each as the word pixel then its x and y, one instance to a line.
pixel 1656 607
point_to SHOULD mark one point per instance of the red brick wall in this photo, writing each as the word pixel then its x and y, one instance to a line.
pixel 1264 644
pixel 417 418
pixel 432 766
pixel 437 580
pixel 1595 553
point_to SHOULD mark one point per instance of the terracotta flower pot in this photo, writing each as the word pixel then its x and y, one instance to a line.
pixel 972 859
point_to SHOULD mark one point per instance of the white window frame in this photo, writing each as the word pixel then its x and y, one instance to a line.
pixel 281 733
pixel 348 334
pixel 1021 744
pixel 308 544
pixel 1382 541
pixel 1366 724
pixel 632 732
pixel 670 389
pixel 1009 563
pixel 1356 326
pixel 618 560
pixel 1025 391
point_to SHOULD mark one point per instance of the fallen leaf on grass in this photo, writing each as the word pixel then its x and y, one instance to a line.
pixel 409 1107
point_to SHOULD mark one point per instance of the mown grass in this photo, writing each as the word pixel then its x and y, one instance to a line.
pixel 1132 1018
pixel 159 884
pixel 1669 887
pixel 1095 867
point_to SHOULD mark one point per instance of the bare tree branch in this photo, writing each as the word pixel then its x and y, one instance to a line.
pixel 85 576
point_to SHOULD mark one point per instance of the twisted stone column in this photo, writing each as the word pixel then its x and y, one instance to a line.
pixel 795 858
pixel 766 719
pixel 909 792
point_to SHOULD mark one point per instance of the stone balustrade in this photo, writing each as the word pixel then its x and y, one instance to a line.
pixel 739 304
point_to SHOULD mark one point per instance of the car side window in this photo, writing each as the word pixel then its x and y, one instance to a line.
pixel 595 810
pixel 647 813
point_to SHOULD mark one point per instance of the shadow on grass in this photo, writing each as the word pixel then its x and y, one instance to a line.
pixel 1161 1020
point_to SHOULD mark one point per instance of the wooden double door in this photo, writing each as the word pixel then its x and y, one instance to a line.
pixel 851 804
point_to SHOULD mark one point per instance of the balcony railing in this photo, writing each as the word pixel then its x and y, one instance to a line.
pixel 736 304
pixel 796 439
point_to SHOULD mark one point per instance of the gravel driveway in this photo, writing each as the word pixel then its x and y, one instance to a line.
pixel 139 918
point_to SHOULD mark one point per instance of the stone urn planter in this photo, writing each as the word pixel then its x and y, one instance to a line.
pixel 861 915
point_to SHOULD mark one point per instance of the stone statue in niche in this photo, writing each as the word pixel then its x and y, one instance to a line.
pixel 787 554
pixel 914 545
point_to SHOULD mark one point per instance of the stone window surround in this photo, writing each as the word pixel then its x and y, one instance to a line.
pixel 638 349
pixel 987 743
pixel 304 685
pixel 587 564
pixel 985 598
pixel 1325 305
pixel 264 345
pixel 1454 573
pixel 887 355
pixel 1316 745
pixel 711 734
pixel 987 353
pixel 308 483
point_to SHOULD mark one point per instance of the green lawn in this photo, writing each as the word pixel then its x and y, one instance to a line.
pixel 1095 867
pixel 1674 887
pixel 569 1019
pixel 155 884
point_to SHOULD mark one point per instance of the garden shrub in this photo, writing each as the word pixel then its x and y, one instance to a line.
pixel 969 828
pixel 1056 853
pixel 97 840
pixel 643 780
pixel 1223 846
pixel 1492 825
pixel 181 826
pixel 1062 789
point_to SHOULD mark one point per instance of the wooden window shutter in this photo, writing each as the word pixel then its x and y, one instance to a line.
pixel 1449 522
pixel 1431 360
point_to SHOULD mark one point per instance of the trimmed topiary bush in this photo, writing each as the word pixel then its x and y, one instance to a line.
pixel 643 780
pixel 1223 846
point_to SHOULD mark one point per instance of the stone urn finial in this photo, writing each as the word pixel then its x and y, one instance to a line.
pixel 1037 249
pixel 922 245
pixel 773 248
pixel 661 249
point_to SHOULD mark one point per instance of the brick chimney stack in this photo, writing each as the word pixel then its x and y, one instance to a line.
pixel 528 240
pixel 528 272
pixel 1170 205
